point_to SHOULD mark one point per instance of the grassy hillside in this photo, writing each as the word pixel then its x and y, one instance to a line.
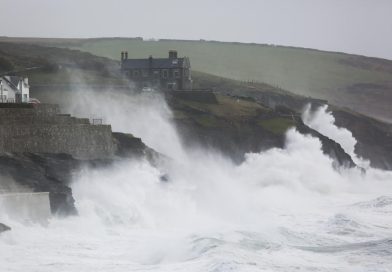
pixel 360 83
pixel 51 65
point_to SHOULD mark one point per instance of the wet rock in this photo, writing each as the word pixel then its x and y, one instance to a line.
pixel 4 228
pixel 53 173
pixel 43 173
pixel 164 178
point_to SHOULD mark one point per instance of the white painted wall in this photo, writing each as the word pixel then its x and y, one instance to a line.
pixel 8 93
pixel 24 87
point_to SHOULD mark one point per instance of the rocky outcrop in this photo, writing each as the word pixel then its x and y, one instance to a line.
pixel 235 126
pixel 374 137
pixel 329 146
pixel 4 228
pixel 43 172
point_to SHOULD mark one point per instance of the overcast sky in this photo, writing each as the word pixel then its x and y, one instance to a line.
pixel 353 26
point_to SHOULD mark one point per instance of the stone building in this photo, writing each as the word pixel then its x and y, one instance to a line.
pixel 14 89
pixel 172 73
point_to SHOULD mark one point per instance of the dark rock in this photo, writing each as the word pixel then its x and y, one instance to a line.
pixel 164 178
pixel 53 172
pixel 4 228
pixel 128 146
pixel 246 131
pixel 374 137
pixel 44 173
pixel 329 146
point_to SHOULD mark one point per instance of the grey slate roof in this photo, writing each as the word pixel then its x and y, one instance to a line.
pixel 155 63
pixel 13 81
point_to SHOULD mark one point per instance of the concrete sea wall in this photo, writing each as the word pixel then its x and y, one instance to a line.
pixel 33 207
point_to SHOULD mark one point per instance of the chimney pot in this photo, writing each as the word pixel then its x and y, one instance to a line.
pixel 172 54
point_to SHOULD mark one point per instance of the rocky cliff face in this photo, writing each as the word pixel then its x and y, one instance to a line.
pixel 44 172
pixel 374 137
pixel 235 126
pixel 4 228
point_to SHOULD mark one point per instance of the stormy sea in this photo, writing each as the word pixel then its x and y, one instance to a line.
pixel 288 209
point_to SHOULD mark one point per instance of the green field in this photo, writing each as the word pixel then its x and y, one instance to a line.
pixel 361 83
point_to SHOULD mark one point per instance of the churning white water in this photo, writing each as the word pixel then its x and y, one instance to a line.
pixel 324 122
pixel 280 210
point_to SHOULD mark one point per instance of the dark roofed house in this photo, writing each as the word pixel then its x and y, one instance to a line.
pixel 171 73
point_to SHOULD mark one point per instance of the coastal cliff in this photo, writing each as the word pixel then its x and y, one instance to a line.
pixel 41 150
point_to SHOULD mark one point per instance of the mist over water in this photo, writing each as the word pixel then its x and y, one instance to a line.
pixel 280 210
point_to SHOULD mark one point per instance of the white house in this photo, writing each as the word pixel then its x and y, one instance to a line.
pixel 14 89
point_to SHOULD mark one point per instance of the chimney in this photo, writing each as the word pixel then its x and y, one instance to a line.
pixel 26 81
pixel 172 54
pixel 126 55
pixel 122 55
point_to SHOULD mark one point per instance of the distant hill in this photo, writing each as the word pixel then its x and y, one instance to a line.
pixel 360 83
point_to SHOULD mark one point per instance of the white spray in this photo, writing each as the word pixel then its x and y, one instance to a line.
pixel 324 122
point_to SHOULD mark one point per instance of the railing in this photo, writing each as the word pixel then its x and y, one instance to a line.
pixel 9 100
pixel 97 122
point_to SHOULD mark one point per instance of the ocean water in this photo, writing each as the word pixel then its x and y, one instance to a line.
pixel 280 210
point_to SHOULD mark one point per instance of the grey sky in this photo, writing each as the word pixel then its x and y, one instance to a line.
pixel 353 26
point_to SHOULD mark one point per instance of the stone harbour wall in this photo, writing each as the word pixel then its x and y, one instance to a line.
pixel 42 129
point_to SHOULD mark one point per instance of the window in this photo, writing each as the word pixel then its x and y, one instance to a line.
pixel 145 73
pixel 176 73
pixel 165 73
pixel 171 86
pixel 136 73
